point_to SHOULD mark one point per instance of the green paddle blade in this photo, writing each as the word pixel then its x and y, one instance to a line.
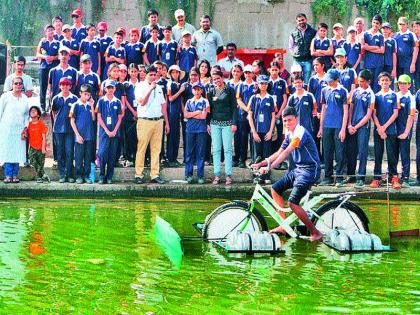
pixel 169 241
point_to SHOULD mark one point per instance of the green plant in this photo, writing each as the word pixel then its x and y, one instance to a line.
pixel 335 10
pixel 390 10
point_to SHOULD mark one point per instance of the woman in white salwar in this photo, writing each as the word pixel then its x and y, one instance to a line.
pixel 14 116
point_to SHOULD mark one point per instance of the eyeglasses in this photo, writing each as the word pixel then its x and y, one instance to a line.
pixel 18 83
pixel 101 31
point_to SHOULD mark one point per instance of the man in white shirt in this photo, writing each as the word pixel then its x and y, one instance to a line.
pixel 181 26
pixel 230 60
pixel 19 66
pixel 151 111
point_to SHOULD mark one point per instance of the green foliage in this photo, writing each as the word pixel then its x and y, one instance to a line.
pixel 167 8
pixel 335 10
pixel 390 10
pixel 97 8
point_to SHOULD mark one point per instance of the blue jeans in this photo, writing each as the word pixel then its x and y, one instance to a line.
pixel 357 146
pixel 11 169
pixel 107 152
pixel 306 69
pixel 222 135
pixel 403 147
pixel 195 148
pixel 391 153
pixel 333 146
pixel 83 158
pixel 64 143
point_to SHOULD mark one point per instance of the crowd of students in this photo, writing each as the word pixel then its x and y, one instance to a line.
pixel 94 83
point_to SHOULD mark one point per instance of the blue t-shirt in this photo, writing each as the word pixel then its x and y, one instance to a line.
pixel 353 52
pixel 109 110
pixel 187 58
pixel 315 86
pixel 323 44
pixel 61 106
pixel 385 103
pixel 58 37
pixel 134 53
pixel 92 48
pixel 262 109
pixel 291 89
pixel 418 106
pixel 145 33
pixel 79 34
pixel 407 104
pixel 337 43
pixel 195 125
pixel 92 79
pixel 390 49
pixel 334 99
pixel 82 114
pixel 174 107
pixel 373 60
pixel 277 89
pixel 348 77
pixel 405 46
pixel 244 92
pixel 73 45
pixel 57 73
pixel 305 154
pixel 116 52
pixel 49 48
pixel 305 105
pixel 105 42
pixel 362 100
pixel 167 52
pixel 151 50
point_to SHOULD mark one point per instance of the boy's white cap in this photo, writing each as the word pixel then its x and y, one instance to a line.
pixel 179 12
pixel 248 68
pixel 351 29
pixel 296 68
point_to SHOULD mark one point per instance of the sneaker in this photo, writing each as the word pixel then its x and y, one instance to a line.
pixel 55 166
pixel 376 183
pixel 129 164
pixel 46 178
pixel 339 183
pixel 267 181
pixel 326 181
pixel 201 180
pixel 228 180
pixel 109 181
pixel 71 180
pixel 189 179
pixel 359 183
pixel 216 180
pixel 139 180
pixel 405 183
pixel 39 180
pixel 157 180
pixel 88 181
pixel 62 180
pixel 235 164
pixel 350 180
pixel 101 181
pixel 395 181
pixel 79 180
pixel 242 164
pixel 7 180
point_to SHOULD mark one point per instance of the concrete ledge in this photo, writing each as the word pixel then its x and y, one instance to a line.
pixel 30 189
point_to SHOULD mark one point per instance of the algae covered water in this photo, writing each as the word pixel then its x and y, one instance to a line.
pixel 100 257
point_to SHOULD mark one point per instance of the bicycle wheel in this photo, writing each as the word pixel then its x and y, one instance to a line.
pixel 229 218
pixel 348 216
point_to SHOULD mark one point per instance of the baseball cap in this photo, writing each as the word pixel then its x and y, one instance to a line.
pixel 262 79
pixel 64 48
pixel 77 12
pixel 351 29
pixel 66 27
pixel 198 85
pixel 103 24
pixel 179 12
pixel 109 83
pixel 64 81
pixel 248 68
pixel 48 26
pixel 338 25
pixel 404 78
pixel 296 68
pixel 402 20
pixel 332 75
pixel 386 25
pixel 340 52
pixel 85 58
pixel 186 32
pixel 122 67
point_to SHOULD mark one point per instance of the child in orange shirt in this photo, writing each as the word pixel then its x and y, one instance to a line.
pixel 37 133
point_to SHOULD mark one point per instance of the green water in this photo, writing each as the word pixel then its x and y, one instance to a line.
pixel 99 257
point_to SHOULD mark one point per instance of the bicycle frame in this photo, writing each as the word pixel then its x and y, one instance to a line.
pixel 307 203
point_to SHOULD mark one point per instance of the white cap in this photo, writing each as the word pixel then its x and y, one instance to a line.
pixel 248 68
pixel 64 48
pixel 351 29
pixel 179 12
pixel 296 68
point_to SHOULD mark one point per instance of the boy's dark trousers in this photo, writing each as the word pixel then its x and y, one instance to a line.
pixel 65 153
pixel 37 160
pixel 375 74
pixel 357 147
pixel 262 148
pixel 172 139
pixel 333 147
pixel 241 138
pixel 43 85
pixel 403 147
pixel 129 138
pixel 317 140
pixel 418 151
pixel 391 152
pixel 83 158
pixel 107 153
pixel 195 152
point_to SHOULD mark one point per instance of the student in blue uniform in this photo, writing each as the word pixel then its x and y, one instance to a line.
pixel 61 71
pixel 150 48
pixel 105 41
pixel 373 44
pixel 261 117
pixel 390 54
pixel 418 139
pixel 334 115
pixel 174 92
pixel 82 117
pixel 167 47
pixel 195 112
pixel 384 116
pixel 407 49
pixel 57 22
pixel 47 53
pixel 348 76
pixel 321 45
pixel 295 70
pixel 109 114
pixel 187 55
pixel 91 46
pixel 353 49
pixel 79 30
pixel 73 46
pixel 235 76
pixel 405 121
pixel 305 104
pixel 115 53
pixel 87 76
pixel 134 48
pixel 241 138
pixel 338 40
pixel 145 34
pixel 62 131
pixel 301 146
pixel 358 127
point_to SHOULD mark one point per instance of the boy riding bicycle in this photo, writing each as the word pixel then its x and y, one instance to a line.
pixel 300 144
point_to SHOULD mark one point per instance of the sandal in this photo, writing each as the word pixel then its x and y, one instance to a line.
pixel 7 180
pixel 15 180
pixel 216 180
pixel 228 180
